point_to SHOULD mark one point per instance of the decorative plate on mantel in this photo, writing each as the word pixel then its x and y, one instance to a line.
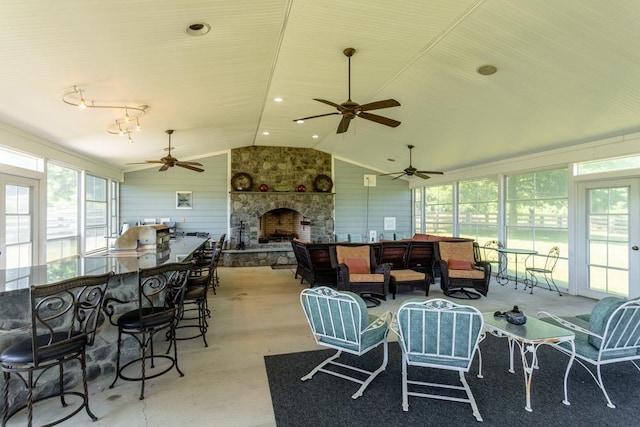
pixel 322 183
pixel 241 182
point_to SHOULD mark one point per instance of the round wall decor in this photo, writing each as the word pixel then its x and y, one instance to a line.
pixel 241 182
pixel 322 183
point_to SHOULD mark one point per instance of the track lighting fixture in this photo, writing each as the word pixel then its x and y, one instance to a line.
pixel 124 126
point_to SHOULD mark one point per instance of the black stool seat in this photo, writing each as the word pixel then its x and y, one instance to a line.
pixel 22 351
pixel 151 317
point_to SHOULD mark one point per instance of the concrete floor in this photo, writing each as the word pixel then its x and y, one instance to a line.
pixel 256 312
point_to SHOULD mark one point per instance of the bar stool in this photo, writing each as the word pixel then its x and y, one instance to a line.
pixel 158 306
pixel 198 285
pixel 64 319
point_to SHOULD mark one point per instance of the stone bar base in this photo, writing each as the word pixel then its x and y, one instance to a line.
pixel 258 257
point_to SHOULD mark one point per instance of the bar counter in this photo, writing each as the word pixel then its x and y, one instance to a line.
pixel 15 316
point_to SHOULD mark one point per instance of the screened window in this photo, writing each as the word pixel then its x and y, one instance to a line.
pixel 439 210
pixel 418 225
pixel 96 213
pixel 62 212
pixel 113 207
pixel 478 209
pixel 537 214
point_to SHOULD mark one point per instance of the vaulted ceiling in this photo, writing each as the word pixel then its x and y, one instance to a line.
pixel 567 72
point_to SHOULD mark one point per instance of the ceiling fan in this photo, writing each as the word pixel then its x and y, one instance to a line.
pixel 350 110
pixel 169 161
pixel 411 171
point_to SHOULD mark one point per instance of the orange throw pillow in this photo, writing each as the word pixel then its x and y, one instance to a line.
pixel 456 264
pixel 357 266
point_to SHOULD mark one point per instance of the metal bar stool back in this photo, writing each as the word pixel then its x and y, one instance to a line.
pixel 64 319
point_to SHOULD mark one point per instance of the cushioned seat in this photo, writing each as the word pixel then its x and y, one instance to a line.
pixel 410 279
pixel 609 334
pixel 358 272
pixel 339 320
pixel 65 316
pixel 158 303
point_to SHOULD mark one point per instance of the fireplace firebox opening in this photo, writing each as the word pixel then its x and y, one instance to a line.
pixel 282 225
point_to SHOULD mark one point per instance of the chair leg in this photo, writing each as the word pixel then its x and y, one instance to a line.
pixel 117 359
pixel 5 398
pixel 61 384
pixel 472 400
pixel 365 384
pixel 405 387
pixel 83 365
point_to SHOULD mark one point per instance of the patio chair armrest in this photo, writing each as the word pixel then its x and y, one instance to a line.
pixel 565 323
pixel 384 319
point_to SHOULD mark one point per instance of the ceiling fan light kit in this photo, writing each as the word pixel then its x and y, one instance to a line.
pixel 129 123
pixel 350 109
pixel 411 171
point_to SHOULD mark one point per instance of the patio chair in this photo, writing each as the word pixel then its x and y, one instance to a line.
pixel 609 334
pixel 546 271
pixel 461 271
pixel 340 320
pixel 358 272
pixel 438 334
pixel 491 255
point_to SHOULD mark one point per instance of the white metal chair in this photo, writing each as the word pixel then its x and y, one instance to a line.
pixel 340 320
pixel 609 334
pixel 439 334
pixel 546 271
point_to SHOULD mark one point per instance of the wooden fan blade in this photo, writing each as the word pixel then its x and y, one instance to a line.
pixel 187 166
pixel 333 104
pixel 379 119
pixel 390 173
pixel 163 168
pixel 387 103
pixel 421 175
pixel 190 163
pixel 399 176
pixel 319 115
pixel 344 124
pixel 431 172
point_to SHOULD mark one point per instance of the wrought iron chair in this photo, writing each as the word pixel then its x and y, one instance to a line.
pixel 609 334
pixel 339 320
pixel 443 335
pixel 158 307
pixel 358 272
pixel 546 271
pixel 64 319
pixel 461 271
pixel 491 255
pixel 195 299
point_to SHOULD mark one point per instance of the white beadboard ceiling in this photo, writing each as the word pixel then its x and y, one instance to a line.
pixel 568 71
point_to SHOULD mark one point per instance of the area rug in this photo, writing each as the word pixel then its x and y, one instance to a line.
pixel 325 400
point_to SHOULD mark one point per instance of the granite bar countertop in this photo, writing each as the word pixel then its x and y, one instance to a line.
pixel 118 261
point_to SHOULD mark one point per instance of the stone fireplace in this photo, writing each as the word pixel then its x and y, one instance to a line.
pixel 262 223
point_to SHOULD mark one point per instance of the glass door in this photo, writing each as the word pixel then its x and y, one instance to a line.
pixel 18 220
pixel 609 259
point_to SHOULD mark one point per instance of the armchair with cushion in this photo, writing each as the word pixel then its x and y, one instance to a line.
pixel 340 320
pixel 438 334
pixel 609 334
pixel 358 272
pixel 460 271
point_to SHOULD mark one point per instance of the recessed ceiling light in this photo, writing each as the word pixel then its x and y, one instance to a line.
pixel 487 70
pixel 265 132
pixel 300 121
pixel 277 99
pixel 315 136
pixel 198 29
